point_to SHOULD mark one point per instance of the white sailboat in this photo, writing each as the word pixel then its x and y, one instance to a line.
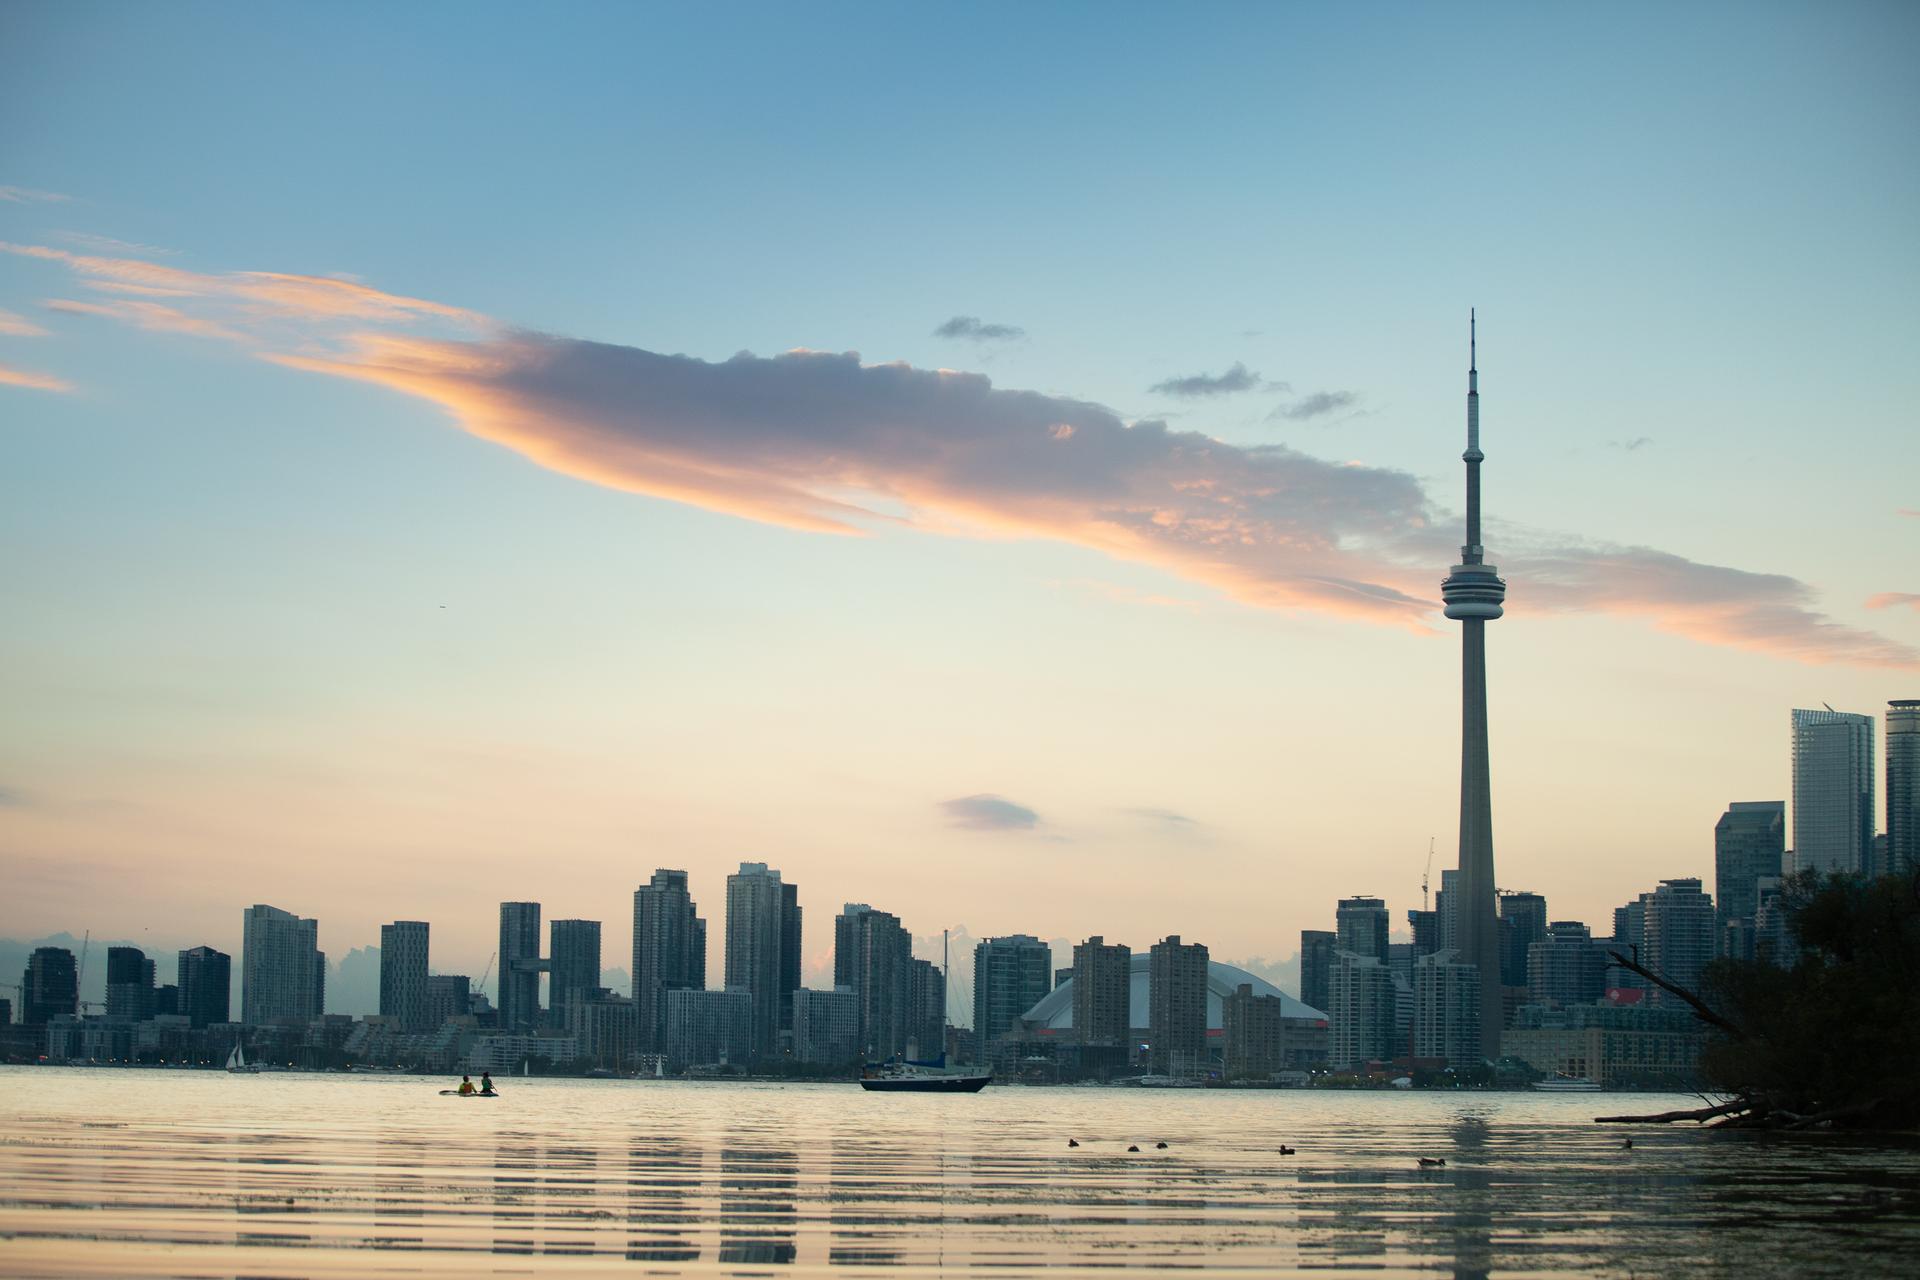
pixel 237 1061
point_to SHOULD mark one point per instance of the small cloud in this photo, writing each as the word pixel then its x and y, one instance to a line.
pixel 990 813
pixel 1911 513
pixel 1631 446
pixel 1893 600
pixel 1196 386
pixel 107 244
pixel 974 329
pixel 27 195
pixel 154 317
pixel 1164 817
pixel 1316 405
pixel 11 377
pixel 18 326
pixel 11 798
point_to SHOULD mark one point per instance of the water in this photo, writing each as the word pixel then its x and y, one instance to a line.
pixel 163 1173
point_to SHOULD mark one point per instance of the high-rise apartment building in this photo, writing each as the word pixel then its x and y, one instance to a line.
pixel 1833 817
pixel 826 1027
pixel 50 988
pixel 1102 995
pixel 129 984
pixel 1679 934
pixel 573 967
pixel 205 979
pixel 708 1027
pixel 669 950
pixel 1443 899
pixel 875 952
pixel 283 974
pixel 1010 976
pixel 1903 787
pixel 1253 1034
pixel 1446 1009
pixel 1177 1006
pixel 1567 967
pixel 1749 842
pixel 756 914
pixel 789 951
pixel 449 995
pixel 1523 922
pixel 403 974
pixel 1360 926
pixel 926 1010
pixel 520 967
pixel 1316 967
pixel 1424 927
pixel 1361 1012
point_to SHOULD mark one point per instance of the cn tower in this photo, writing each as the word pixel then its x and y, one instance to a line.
pixel 1473 593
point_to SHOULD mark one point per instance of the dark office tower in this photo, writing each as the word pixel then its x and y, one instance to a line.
pixel 789 951
pixel 50 988
pixel 1749 842
pixel 283 973
pixel 6 1013
pixel 1425 927
pixel 1629 939
pixel 573 957
pixel 1523 922
pixel 1474 594
pixel 1443 907
pixel 876 951
pixel 449 995
pixel 753 955
pixel 1679 934
pixel 926 1010
pixel 1316 967
pixel 669 951
pixel 1102 991
pixel 1833 815
pixel 403 974
pixel 1177 1006
pixel 520 967
pixel 205 979
pixel 846 943
pixel 1903 786
pixel 1567 968
pixel 1361 927
pixel 129 984
pixel 1010 976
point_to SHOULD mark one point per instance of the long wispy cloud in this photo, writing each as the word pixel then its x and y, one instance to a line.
pixel 1894 599
pixel 14 325
pixel 12 377
pixel 989 813
pixel 27 195
pixel 822 441
pixel 1203 386
pixel 1317 405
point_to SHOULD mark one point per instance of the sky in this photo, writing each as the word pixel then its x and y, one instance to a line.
pixel 995 463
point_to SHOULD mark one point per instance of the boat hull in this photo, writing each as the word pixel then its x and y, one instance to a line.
pixel 926 1084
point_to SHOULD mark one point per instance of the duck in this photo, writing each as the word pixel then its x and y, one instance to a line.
pixel 1285 1150
pixel 1133 1148
pixel 1431 1162
pixel 1073 1142
pixel 1627 1145
pixel 1159 1146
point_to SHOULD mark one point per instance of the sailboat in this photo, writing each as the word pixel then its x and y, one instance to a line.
pixel 925 1077
pixel 237 1061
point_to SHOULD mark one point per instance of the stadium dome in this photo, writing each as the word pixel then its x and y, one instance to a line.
pixel 1055 1013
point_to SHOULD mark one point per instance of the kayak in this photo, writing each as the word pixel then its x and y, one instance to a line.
pixel 455 1093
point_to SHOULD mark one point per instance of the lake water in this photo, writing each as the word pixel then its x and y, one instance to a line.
pixel 164 1173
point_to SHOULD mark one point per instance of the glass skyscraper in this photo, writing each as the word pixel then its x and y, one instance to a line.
pixel 1833 816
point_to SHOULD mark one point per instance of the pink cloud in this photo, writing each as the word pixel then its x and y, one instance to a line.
pixel 152 316
pixel 1893 599
pixel 27 195
pixel 18 326
pixel 11 377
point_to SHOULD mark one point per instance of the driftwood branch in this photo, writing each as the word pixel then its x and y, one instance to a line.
pixel 1668 1117
pixel 1701 1010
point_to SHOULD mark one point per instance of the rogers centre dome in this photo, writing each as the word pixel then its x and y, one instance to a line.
pixel 1054 1014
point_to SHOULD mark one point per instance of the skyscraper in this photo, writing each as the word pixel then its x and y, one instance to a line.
pixel 1177 1006
pixel 1523 922
pixel 50 988
pixel 283 973
pixel 573 966
pixel 1102 999
pixel 1567 967
pixel 1833 815
pixel 790 952
pixel 1474 593
pixel 1361 1012
pixel 449 995
pixel 874 950
pixel 926 1009
pixel 403 974
pixel 669 951
pixel 205 979
pixel 1679 934
pixel 520 967
pixel 1903 786
pixel 1360 926
pixel 1446 1010
pixel 755 916
pixel 1010 976
pixel 1316 967
pixel 129 984
pixel 1749 841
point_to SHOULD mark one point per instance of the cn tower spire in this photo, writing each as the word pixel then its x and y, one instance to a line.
pixel 1474 593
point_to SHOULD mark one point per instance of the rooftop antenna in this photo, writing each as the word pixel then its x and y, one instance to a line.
pixel 1829 706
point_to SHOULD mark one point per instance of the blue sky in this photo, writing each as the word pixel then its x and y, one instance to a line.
pixel 1689 236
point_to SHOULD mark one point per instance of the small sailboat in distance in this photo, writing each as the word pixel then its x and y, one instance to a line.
pixel 237 1061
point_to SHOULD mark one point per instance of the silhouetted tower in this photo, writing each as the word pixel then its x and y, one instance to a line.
pixel 1474 593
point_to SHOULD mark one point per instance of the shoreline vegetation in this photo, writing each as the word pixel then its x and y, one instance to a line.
pixel 1824 1036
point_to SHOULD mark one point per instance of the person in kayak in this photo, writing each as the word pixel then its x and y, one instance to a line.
pixel 466 1086
pixel 486 1083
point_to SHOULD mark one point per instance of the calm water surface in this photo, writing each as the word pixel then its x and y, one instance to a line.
pixel 159 1173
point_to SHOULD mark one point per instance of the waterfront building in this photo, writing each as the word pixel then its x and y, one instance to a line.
pixel 605 1028
pixel 1474 594
pixel 1100 991
pixel 1316 966
pixel 520 967
pixel 1903 787
pixel 50 987
pixel 573 967
pixel 283 973
pixel 129 984
pixel 826 1027
pixel 756 914
pixel 503 1054
pixel 1362 1015
pixel 1833 817
pixel 449 995
pixel 1523 922
pixel 1679 936
pixel 876 956
pixel 1749 842
pixel 1566 967
pixel 403 974
pixel 669 951
pixel 1616 1046
pixel 790 951
pixel 1253 1034
pixel 1360 926
pixel 709 1028
pixel 1010 975
pixel 205 979
pixel 1177 1006
pixel 926 1010
pixel 1446 1017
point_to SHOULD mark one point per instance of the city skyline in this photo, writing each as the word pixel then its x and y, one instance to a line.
pixel 383 657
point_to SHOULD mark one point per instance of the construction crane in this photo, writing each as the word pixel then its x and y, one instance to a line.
pixel 487 973
pixel 1426 877
pixel 80 977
